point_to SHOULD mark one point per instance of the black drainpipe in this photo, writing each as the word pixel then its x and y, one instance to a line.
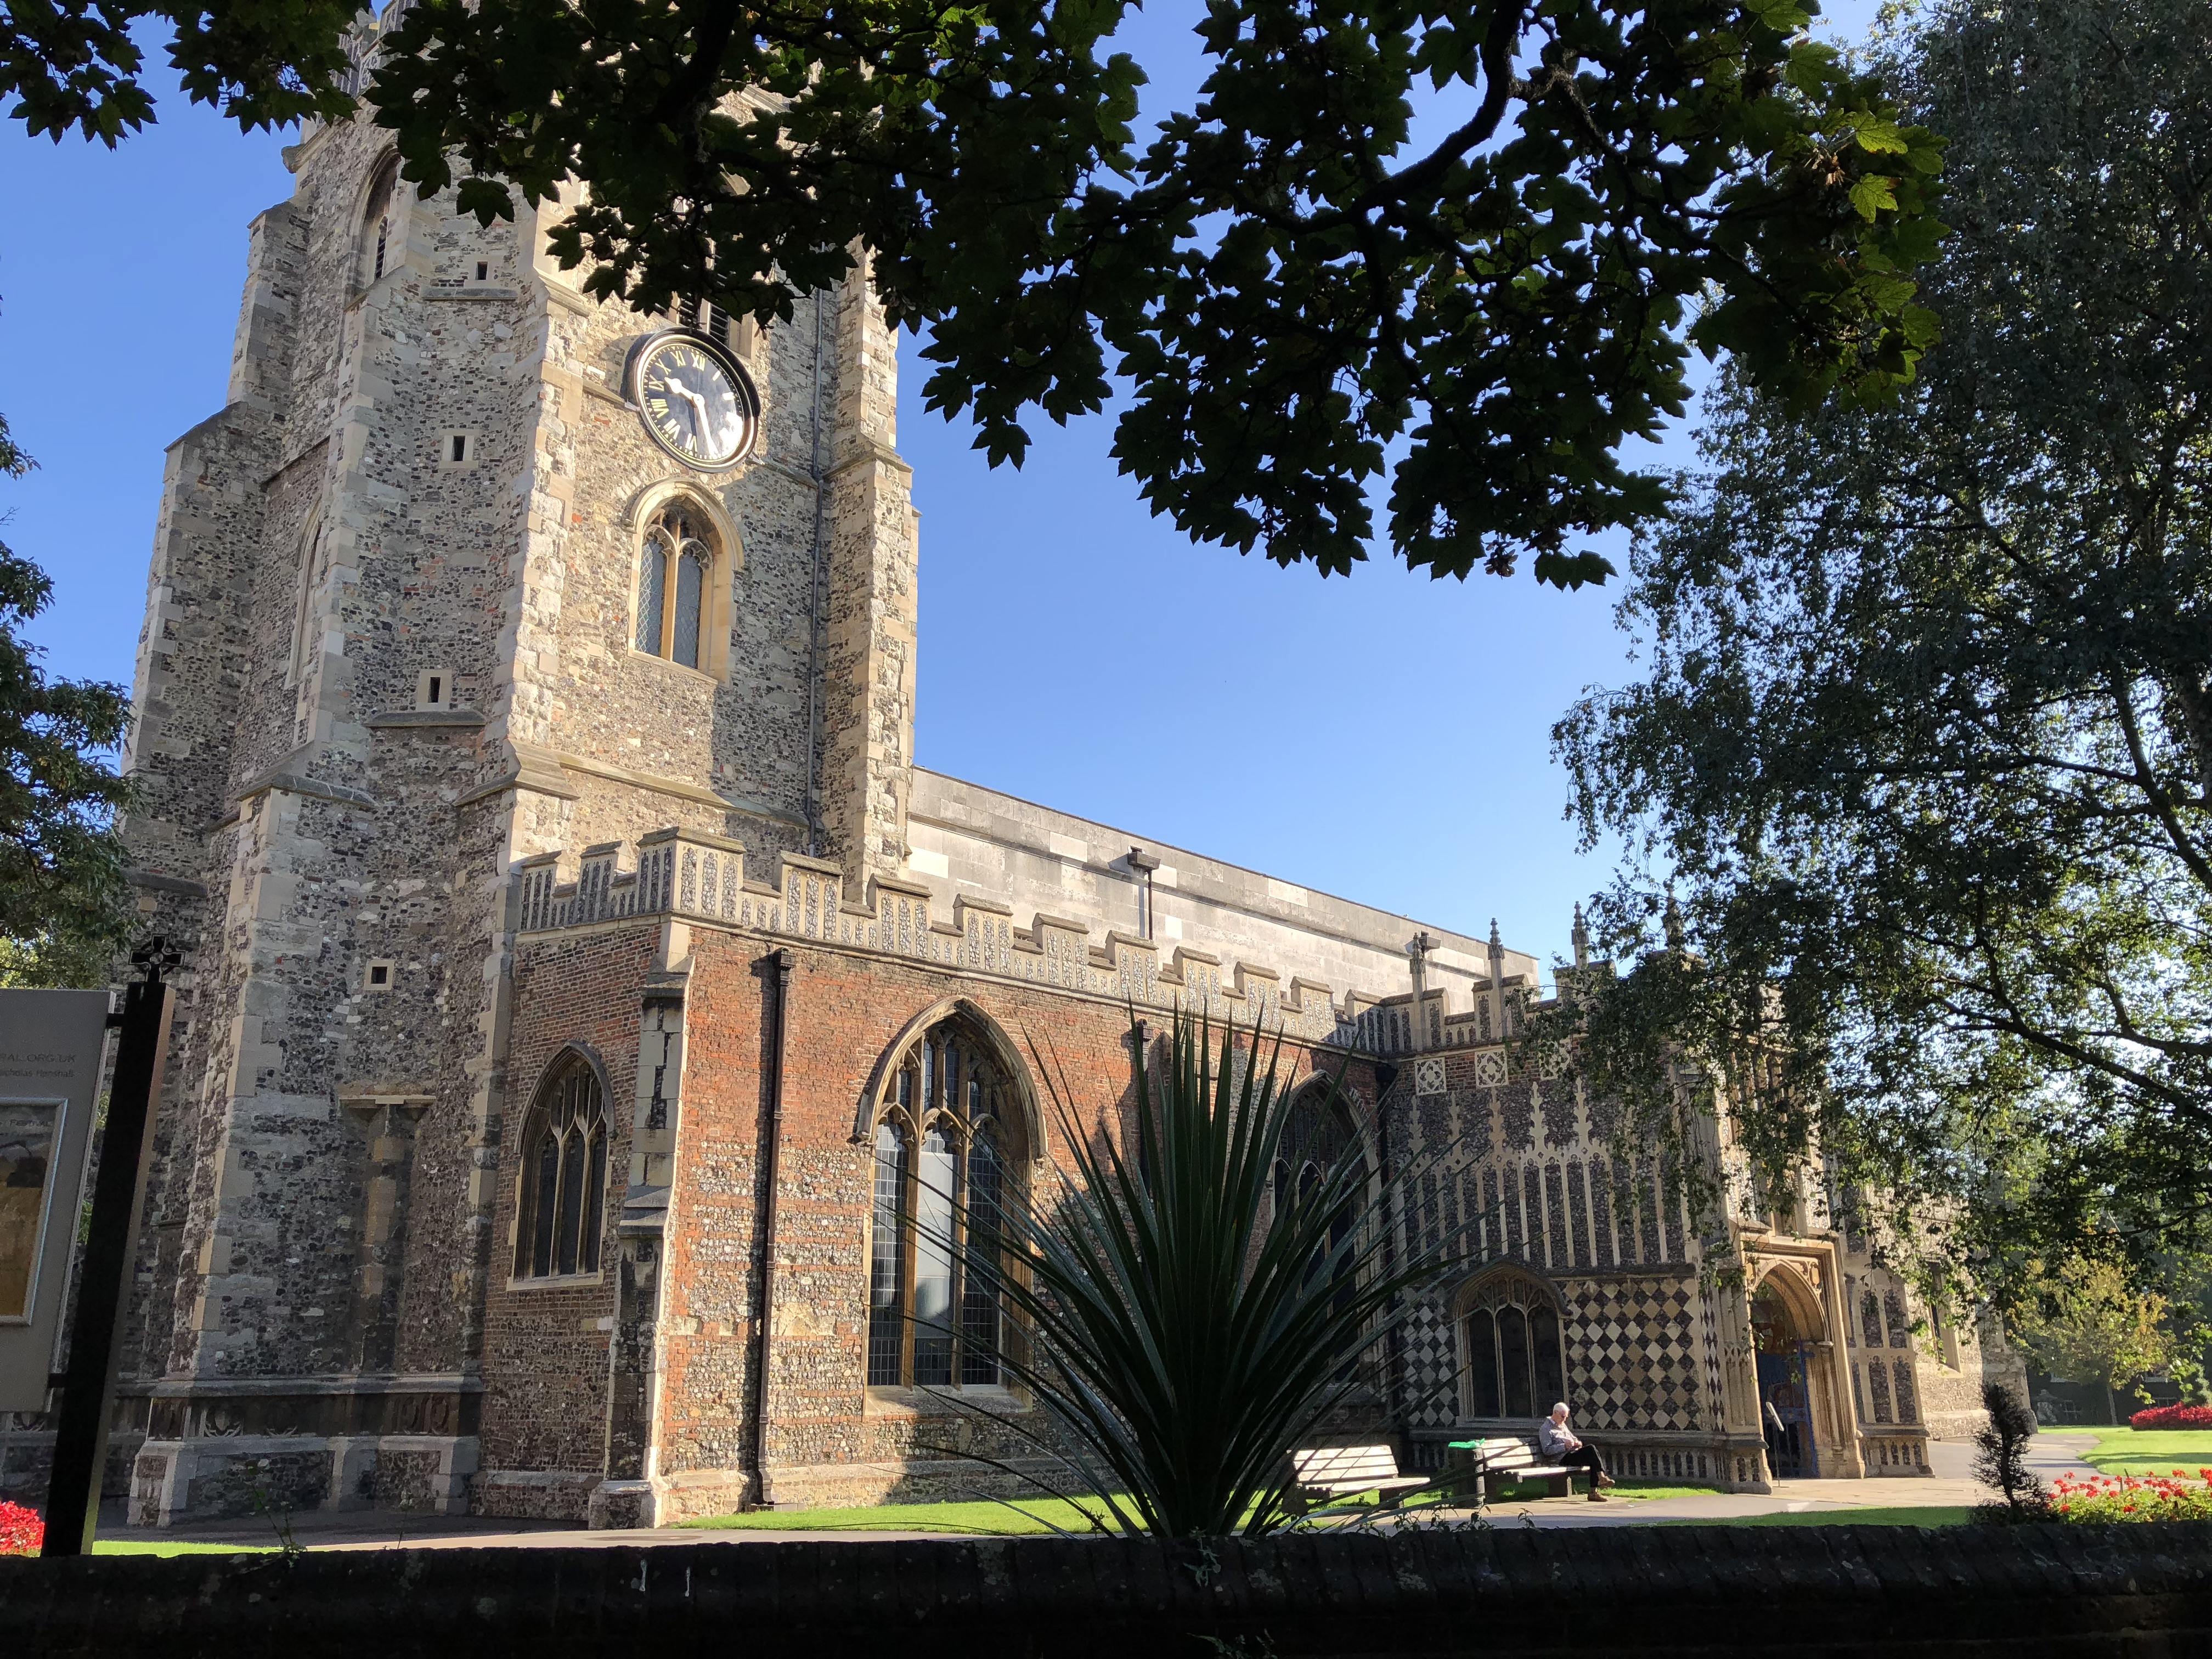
pixel 779 966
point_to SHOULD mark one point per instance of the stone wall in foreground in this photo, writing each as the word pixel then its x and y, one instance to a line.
pixel 1816 1590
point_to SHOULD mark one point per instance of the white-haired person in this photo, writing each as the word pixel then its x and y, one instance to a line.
pixel 1562 1445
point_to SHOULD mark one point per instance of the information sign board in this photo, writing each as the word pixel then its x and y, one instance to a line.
pixel 51 1047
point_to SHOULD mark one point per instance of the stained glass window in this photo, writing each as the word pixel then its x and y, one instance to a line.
pixel 675 568
pixel 563 1189
pixel 935 1319
pixel 652 592
pixel 886 1315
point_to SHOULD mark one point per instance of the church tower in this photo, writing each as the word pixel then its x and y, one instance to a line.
pixel 470 568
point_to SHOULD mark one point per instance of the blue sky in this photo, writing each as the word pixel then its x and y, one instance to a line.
pixel 1384 737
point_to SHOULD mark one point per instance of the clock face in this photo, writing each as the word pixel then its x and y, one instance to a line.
pixel 697 403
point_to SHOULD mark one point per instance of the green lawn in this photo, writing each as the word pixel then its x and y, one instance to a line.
pixel 2150 1451
pixel 162 1546
pixel 1934 1515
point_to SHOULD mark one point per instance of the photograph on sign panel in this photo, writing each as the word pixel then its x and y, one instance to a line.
pixel 28 1128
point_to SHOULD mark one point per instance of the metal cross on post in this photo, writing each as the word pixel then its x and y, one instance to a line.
pixel 118 1194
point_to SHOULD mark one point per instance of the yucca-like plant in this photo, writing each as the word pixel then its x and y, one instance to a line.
pixel 1183 1324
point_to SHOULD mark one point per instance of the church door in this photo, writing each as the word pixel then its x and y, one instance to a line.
pixel 1786 1408
pixel 1785 1394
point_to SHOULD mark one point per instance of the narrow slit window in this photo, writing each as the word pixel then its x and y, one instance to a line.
pixel 379 229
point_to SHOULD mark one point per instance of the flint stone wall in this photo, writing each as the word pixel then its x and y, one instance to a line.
pixel 1826 1590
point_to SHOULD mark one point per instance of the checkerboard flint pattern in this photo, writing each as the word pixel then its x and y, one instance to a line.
pixel 1633 1354
pixel 1431 1397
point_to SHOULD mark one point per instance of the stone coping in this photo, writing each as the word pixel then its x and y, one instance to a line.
pixel 2023 1593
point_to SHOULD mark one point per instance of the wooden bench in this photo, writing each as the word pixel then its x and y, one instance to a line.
pixel 1320 1475
pixel 1498 1462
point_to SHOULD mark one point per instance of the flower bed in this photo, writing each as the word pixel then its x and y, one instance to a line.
pixel 2173 1416
pixel 21 1532
pixel 2106 1498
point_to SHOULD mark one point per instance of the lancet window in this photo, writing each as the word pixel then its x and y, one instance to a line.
pixel 382 223
pixel 948 1159
pixel 564 1176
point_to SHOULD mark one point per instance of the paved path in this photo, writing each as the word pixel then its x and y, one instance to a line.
pixel 2052 1454
pixel 1951 1486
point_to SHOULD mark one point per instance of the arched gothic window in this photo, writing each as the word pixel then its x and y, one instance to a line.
pixel 564 1176
pixel 1516 1366
pixel 383 239
pixel 1319 1135
pixel 673 569
pixel 948 1153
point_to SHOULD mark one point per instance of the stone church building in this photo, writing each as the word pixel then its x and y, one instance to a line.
pixel 582 976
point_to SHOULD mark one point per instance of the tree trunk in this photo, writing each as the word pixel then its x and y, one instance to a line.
pixel 2111 1407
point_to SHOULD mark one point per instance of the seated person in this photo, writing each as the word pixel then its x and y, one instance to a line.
pixel 1560 1444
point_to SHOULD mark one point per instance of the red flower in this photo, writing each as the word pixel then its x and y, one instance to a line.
pixel 22 1531
pixel 2173 1416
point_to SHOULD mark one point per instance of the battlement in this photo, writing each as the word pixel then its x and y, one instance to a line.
pixel 688 874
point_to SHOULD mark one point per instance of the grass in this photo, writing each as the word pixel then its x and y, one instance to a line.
pixel 1933 1515
pixel 176 1546
pixel 2150 1451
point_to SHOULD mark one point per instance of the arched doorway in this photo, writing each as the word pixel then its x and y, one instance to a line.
pixel 1785 1350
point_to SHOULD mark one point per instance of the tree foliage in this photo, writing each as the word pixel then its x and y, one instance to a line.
pixel 1924 737
pixel 63 903
pixel 1465 248
pixel 2001 1460
pixel 2089 1321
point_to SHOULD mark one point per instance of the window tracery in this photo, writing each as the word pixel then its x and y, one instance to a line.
pixel 564 1193
pixel 948 1154
pixel 675 562
pixel 1516 1365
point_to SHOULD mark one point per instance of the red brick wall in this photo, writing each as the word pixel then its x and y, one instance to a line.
pixel 545 1356
pixel 545 1370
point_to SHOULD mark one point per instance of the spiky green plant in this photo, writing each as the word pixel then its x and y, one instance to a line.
pixel 1182 1326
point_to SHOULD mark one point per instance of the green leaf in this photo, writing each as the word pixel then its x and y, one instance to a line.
pixel 1573 571
pixel 1873 195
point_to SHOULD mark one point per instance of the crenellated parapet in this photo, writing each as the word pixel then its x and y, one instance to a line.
pixel 688 874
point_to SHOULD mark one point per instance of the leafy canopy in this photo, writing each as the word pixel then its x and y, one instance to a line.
pixel 1449 254
pixel 1924 739
pixel 65 906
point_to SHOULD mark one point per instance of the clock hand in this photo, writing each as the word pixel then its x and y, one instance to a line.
pixel 698 411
